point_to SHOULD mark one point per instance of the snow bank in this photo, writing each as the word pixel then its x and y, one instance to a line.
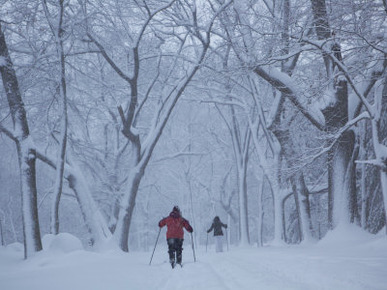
pixel 61 243
pixel 348 235
pixel 15 247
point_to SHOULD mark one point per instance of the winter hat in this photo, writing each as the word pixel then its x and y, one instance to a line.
pixel 176 209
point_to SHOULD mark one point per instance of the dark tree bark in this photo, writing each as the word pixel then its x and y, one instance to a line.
pixel 339 156
pixel 336 116
pixel 26 153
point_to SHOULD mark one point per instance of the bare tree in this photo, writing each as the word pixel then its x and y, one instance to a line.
pixel 141 151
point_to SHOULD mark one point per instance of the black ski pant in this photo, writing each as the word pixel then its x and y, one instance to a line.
pixel 175 248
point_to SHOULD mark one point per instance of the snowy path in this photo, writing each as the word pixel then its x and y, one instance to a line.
pixel 357 266
pixel 271 268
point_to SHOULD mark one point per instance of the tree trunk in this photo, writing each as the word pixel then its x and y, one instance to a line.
pixel 92 216
pixel 273 178
pixel 282 132
pixel 260 214
pixel 63 128
pixel 363 172
pixel 243 209
pixel 351 180
pixel 322 28
pixel 26 153
pixel 339 157
pixel 379 137
pixel 301 193
pixel 278 225
pixel 31 228
pixel 336 116
pixel 127 207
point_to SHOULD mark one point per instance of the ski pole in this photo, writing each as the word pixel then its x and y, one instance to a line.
pixel 206 242
pixel 227 239
pixel 193 248
pixel 1 232
pixel 155 246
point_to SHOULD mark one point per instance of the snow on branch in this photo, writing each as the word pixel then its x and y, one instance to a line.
pixel 109 59
pixel 341 66
pixel 179 154
pixel 150 17
pixel 283 83
pixel 335 137
pixel 375 162
pixel 222 102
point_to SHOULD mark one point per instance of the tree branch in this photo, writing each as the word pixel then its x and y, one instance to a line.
pixel 8 133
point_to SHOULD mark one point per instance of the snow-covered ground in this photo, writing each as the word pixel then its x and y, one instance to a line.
pixel 346 259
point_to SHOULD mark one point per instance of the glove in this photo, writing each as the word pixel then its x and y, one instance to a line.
pixel 208 231
pixel 226 226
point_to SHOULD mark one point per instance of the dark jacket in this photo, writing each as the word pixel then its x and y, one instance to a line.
pixel 217 227
pixel 175 223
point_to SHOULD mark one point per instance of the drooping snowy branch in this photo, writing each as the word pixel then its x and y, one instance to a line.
pixel 343 69
pixel 285 85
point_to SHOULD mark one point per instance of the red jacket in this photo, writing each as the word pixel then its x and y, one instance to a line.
pixel 175 223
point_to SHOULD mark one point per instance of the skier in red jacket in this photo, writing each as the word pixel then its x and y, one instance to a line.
pixel 175 234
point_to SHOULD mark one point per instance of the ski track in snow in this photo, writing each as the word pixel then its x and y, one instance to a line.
pixel 202 274
pixel 246 273
pixel 269 268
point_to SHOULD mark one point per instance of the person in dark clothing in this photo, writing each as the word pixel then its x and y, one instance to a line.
pixel 175 234
pixel 218 233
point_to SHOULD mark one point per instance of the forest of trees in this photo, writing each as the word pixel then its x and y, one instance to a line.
pixel 271 114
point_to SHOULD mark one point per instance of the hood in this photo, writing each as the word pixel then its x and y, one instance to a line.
pixel 174 214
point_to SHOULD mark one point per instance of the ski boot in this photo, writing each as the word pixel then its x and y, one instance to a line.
pixel 179 257
pixel 172 262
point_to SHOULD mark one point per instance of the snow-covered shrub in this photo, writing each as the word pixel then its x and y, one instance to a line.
pixel 63 242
